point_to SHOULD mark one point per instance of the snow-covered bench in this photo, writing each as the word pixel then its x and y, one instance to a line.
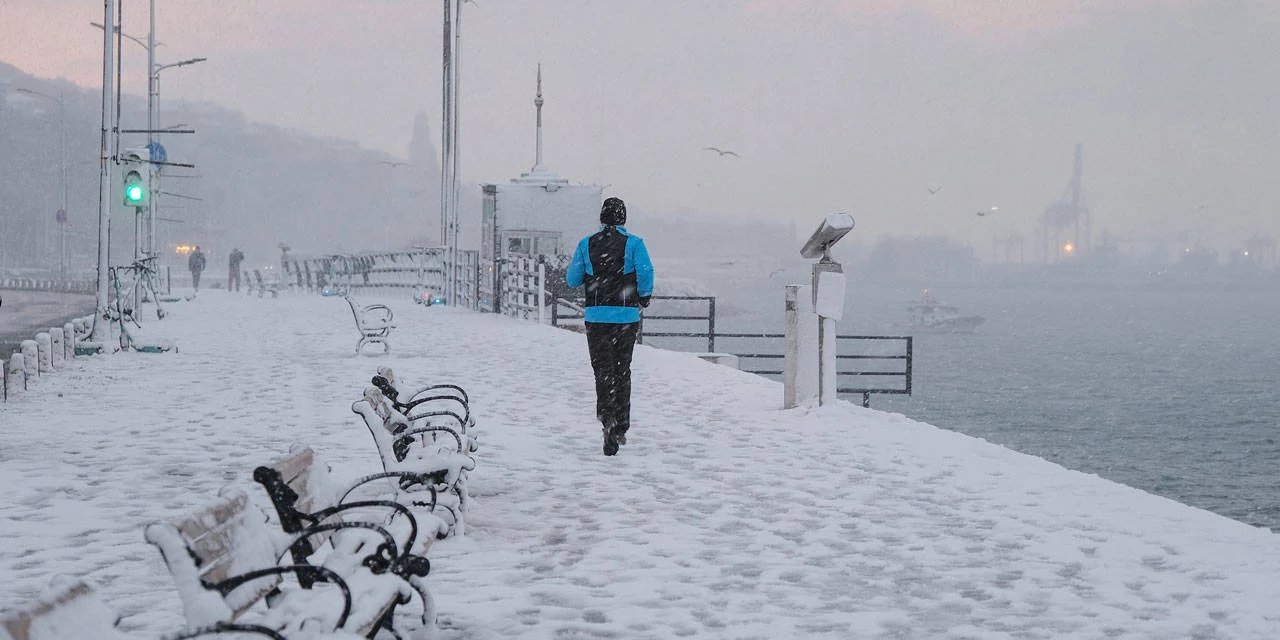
pixel 307 498
pixel 374 324
pixel 442 400
pixel 422 447
pixel 68 611
pixel 265 286
pixel 225 562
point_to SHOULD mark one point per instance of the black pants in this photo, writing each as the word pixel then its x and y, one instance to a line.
pixel 195 280
pixel 233 279
pixel 610 346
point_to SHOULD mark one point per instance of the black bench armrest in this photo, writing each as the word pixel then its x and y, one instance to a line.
pixel 376 562
pixel 406 436
pixel 313 573
pixel 229 629
pixel 407 479
pixel 409 406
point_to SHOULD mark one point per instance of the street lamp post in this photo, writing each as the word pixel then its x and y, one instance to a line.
pixel 153 116
pixel 62 165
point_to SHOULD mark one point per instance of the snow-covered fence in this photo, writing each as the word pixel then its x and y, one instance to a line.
pixel 416 271
pixel 56 285
pixel 523 289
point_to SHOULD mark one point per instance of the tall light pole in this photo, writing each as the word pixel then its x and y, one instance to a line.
pixel 101 331
pixel 62 164
pixel 153 116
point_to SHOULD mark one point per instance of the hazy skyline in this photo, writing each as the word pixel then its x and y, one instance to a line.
pixel 833 105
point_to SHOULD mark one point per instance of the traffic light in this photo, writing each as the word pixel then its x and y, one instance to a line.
pixel 135 189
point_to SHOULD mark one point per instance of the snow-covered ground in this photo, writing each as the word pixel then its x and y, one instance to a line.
pixel 724 517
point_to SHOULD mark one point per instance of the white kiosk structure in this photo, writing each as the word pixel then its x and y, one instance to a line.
pixel 536 214
pixel 812 312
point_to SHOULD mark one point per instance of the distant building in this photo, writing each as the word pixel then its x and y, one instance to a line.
pixel 536 214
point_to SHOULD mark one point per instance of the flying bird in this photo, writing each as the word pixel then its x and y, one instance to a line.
pixel 933 190
pixel 722 152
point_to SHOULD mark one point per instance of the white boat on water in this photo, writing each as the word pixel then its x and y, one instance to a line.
pixel 931 315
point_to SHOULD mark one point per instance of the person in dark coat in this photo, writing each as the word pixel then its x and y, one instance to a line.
pixel 196 264
pixel 614 267
pixel 233 269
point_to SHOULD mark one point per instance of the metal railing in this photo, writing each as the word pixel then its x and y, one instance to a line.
pixel 897 381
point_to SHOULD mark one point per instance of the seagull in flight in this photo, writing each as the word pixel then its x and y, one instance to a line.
pixel 722 152
pixel 933 190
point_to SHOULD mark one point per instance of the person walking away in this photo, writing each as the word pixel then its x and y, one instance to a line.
pixel 615 269
pixel 196 264
pixel 233 265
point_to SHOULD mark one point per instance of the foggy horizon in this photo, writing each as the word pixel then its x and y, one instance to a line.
pixel 853 106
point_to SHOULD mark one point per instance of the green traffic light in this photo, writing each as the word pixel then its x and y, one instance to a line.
pixel 134 193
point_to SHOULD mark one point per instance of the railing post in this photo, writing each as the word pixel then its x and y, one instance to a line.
pixel 909 338
pixel 542 281
pixel 711 325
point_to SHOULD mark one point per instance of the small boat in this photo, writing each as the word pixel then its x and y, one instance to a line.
pixel 931 315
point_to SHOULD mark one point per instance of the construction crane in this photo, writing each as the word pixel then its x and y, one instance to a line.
pixel 1066 216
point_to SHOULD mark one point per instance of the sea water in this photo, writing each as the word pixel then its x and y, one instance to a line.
pixel 1176 392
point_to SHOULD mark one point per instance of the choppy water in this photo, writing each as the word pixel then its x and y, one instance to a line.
pixel 1173 392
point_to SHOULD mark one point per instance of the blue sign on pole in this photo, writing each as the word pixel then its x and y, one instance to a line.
pixel 157 152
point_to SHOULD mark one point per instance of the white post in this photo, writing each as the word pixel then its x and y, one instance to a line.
pixel 58 345
pixel 31 359
pixel 105 173
pixel 153 99
pixel 69 340
pixel 542 281
pixel 15 376
pixel 828 302
pixel 44 352
pixel 800 374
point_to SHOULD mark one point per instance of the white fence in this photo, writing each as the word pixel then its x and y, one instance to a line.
pixel 523 289
pixel 413 272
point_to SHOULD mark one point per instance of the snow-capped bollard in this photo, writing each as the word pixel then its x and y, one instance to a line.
pixel 31 359
pixel 44 352
pixel 58 347
pixel 69 340
pixel 15 377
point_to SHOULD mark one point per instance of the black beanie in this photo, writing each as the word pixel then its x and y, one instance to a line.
pixel 613 212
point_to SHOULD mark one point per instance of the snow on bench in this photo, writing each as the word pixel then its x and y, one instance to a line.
pixel 431 443
pixel 308 499
pixel 225 562
pixel 68 611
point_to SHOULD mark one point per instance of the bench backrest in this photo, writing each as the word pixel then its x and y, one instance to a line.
pixel 299 482
pixel 68 612
pixel 225 539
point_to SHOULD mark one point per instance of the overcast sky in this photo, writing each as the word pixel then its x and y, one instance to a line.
pixel 833 104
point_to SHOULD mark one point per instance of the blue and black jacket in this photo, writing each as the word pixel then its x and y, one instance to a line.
pixel 615 268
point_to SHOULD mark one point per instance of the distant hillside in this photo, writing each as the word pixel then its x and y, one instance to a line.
pixel 257 185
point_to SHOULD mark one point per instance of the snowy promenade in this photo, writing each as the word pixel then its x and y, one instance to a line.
pixel 723 518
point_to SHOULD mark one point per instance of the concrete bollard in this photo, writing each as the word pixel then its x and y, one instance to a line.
pixel 69 340
pixel 57 346
pixel 15 377
pixel 31 359
pixel 44 351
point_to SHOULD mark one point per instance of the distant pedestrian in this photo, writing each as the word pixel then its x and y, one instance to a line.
pixel 615 268
pixel 233 265
pixel 196 264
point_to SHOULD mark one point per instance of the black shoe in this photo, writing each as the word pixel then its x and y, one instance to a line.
pixel 620 435
pixel 610 442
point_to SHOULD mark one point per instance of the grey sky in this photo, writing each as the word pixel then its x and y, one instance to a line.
pixel 833 105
